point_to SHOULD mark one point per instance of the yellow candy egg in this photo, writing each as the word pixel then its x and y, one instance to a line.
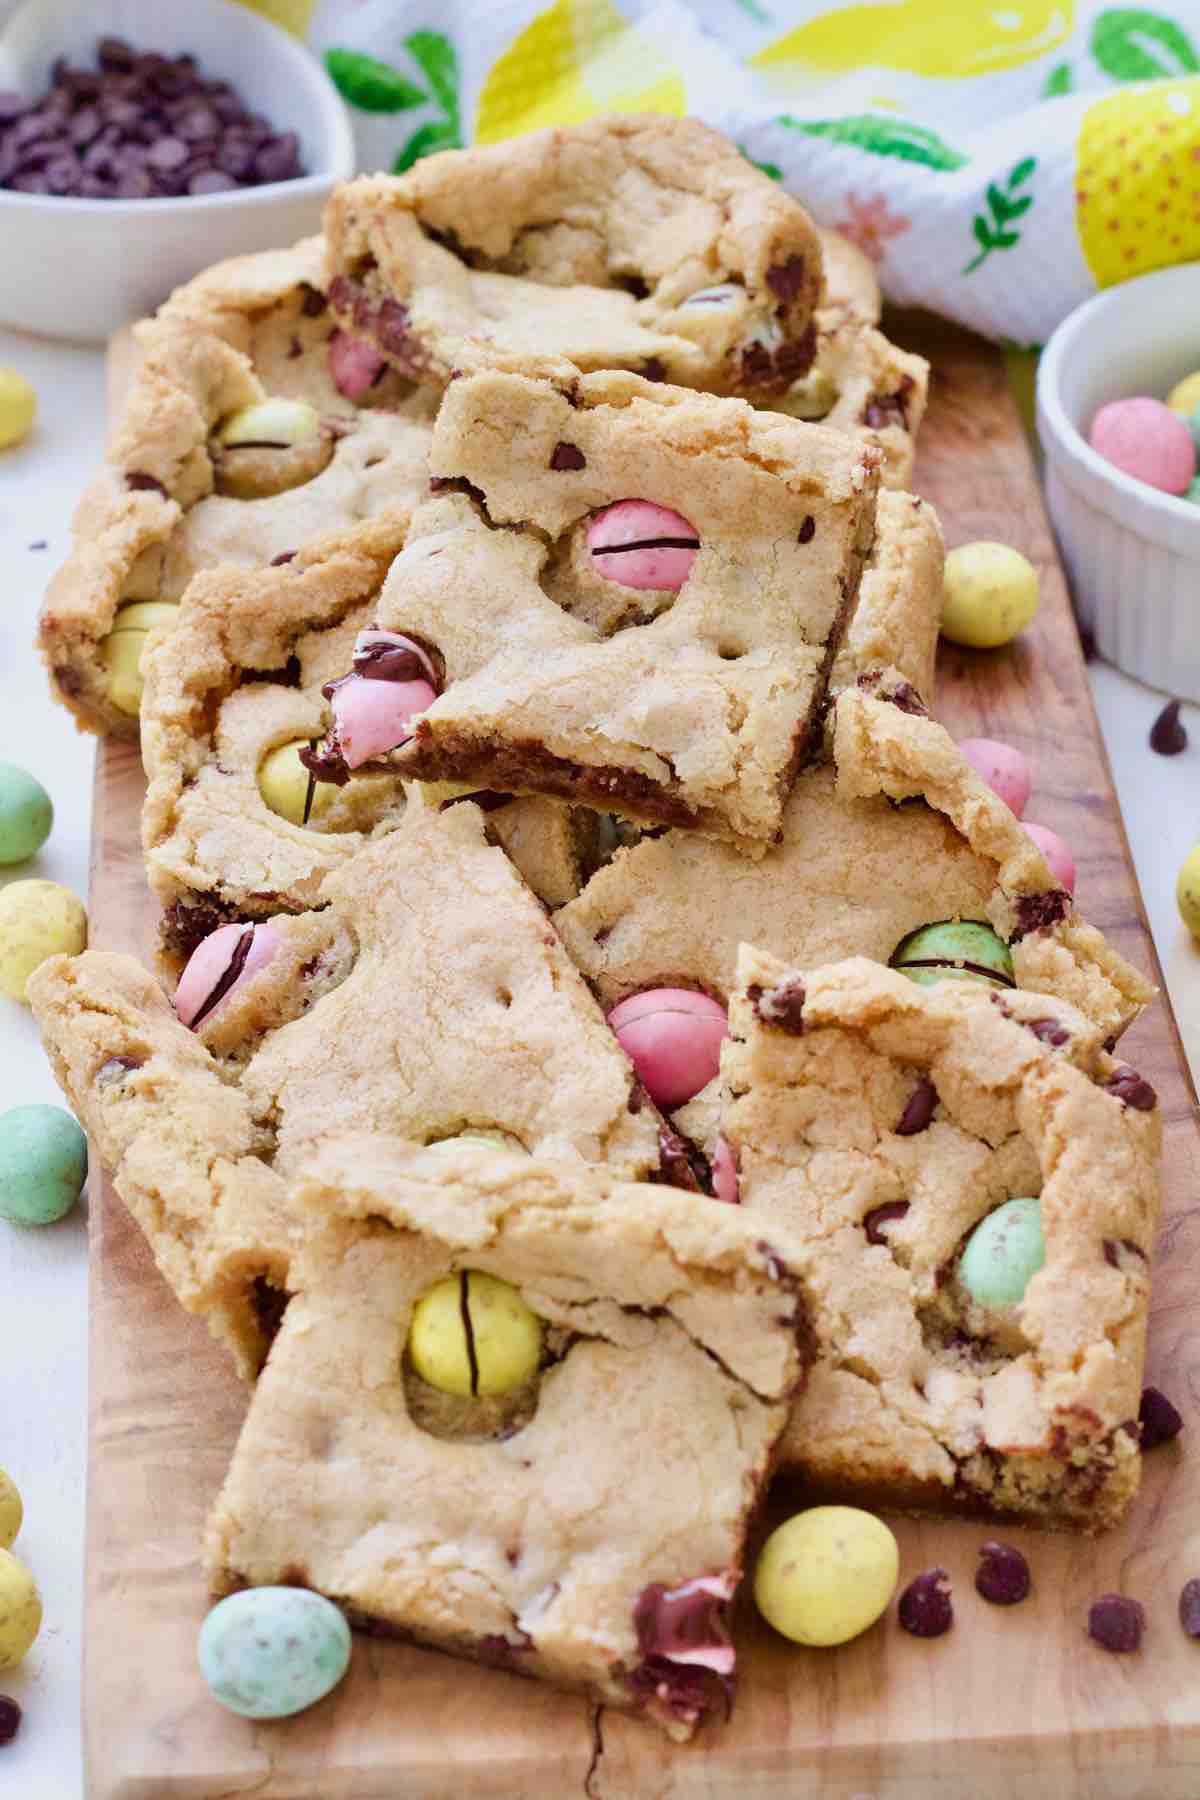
pixel 121 651
pixel 1187 892
pixel 37 919
pixel 1184 397
pixel 990 594
pixel 505 1336
pixel 20 1610
pixel 11 1511
pixel 827 1574
pixel 287 787
pixel 18 408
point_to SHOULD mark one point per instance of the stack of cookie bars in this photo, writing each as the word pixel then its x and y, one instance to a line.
pixel 522 608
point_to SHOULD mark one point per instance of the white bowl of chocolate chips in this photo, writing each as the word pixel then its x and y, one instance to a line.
pixel 140 142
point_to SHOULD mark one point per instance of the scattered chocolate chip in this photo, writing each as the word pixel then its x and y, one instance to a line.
pixel 1168 735
pixel 285 556
pixel 925 1605
pixel 879 1216
pixel 1003 1574
pixel 782 1005
pixel 1048 1031
pixel 1132 1088
pixel 567 456
pixel 918 1110
pixel 1116 1623
pixel 807 531
pixel 10 1719
pixel 38 544
pixel 1159 1419
pixel 1189 1607
pixel 140 482
pixel 1038 912
pixel 786 280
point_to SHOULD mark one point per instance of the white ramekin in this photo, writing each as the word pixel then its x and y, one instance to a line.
pixel 1133 554
pixel 82 268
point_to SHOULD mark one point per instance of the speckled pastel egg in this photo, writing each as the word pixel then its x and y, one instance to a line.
pixel 43 1164
pixel 954 949
pixel 673 1037
pixel 18 407
pixel 1187 892
pixel 289 789
pixel 269 1652
pixel 12 1512
pixel 1058 858
pixel 37 919
pixel 26 814
pixel 1184 397
pixel 1004 769
pixel 20 1610
pixel 506 1336
pixel 1003 1254
pixel 825 1575
pixel 990 593
pixel 1145 439
pixel 121 651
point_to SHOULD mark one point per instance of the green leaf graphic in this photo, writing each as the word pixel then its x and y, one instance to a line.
pixel 767 168
pixel 758 13
pixel 1131 45
pixel 423 143
pixel 439 61
pixel 371 85
pixel 881 136
pixel 1058 81
pixel 1022 172
pixel 1003 206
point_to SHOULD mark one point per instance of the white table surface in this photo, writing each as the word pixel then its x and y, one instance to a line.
pixel 43 1280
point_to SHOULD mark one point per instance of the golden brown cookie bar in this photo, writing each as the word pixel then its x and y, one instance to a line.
pixel 863 384
pixel 880 1122
pixel 629 242
pixel 172 499
pixel 238 679
pixel 675 677
pixel 598 1547
pixel 430 996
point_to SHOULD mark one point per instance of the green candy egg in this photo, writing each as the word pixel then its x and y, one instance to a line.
pixel 1192 491
pixel 962 949
pixel 1003 1254
pixel 43 1164
pixel 26 814
pixel 269 1652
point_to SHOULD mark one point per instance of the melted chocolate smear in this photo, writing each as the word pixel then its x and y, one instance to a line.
pixel 325 763
pixel 287 676
pixel 1048 1031
pixel 1132 1088
pixel 236 964
pixel 786 280
pixel 682 1164
pixel 782 1006
pixel 1038 912
pixel 879 1216
pixel 1168 735
pixel 390 662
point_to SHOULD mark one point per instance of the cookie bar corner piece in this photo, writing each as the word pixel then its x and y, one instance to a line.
pixel 569 1541
pixel 880 1123
pixel 894 629
pixel 636 594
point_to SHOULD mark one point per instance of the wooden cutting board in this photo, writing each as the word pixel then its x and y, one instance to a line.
pixel 1011 1703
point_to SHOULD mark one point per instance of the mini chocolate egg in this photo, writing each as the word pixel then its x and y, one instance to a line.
pixel 473 1334
pixel 826 1575
pixel 20 1610
pixel 37 919
pixel 1058 858
pixel 121 651
pixel 956 949
pixel 1003 1254
pixel 43 1164
pixel 990 593
pixel 26 814
pixel 221 962
pixel 1003 768
pixel 12 1512
pixel 18 408
pixel 1184 397
pixel 642 545
pixel 288 788
pixel 270 1652
pixel 1145 439
pixel 673 1037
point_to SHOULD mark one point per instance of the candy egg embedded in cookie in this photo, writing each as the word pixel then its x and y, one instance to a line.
pixel 473 1334
pixel 1003 1254
pixel 121 651
pixel 955 949
pixel 642 545
pixel 673 1036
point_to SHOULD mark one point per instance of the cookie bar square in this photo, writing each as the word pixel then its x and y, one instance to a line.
pixel 575 1542
pixel 641 243
pixel 880 1123
pixel 894 628
pixel 234 827
pixel 428 996
pixel 334 437
pixel 666 657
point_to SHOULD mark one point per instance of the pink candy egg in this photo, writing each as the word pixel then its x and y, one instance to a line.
pixel 642 545
pixel 673 1037
pixel 373 717
pixel 224 960
pixel 1003 768
pixel 1058 858
pixel 1145 439
pixel 354 365
pixel 724 1173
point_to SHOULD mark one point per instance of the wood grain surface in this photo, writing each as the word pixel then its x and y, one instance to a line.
pixel 1011 1703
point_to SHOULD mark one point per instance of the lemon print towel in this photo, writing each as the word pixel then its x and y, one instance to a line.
pixel 998 160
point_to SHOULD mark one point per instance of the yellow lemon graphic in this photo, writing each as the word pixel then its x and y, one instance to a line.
pixel 1137 180
pixel 943 39
pixel 293 15
pixel 576 59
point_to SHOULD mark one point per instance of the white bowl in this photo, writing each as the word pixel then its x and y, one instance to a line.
pixel 82 268
pixel 1133 553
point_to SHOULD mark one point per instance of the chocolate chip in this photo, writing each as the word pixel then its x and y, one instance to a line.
pixel 1116 1623
pixel 10 1718
pixel 1159 1419
pixel 1038 912
pixel 905 696
pixel 1003 1574
pixel 1132 1088
pixel 1168 734
pixel 879 1216
pixel 1048 1031
pixel 140 482
pixel 210 181
pixel 782 1005
pixel 654 369
pixel 918 1110
pixel 567 456
pixel 285 556
pixel 312 301
pixel 807 531
pixel 1189 1607
pixel 1118 1253
pixel 889 409
pixel 925 1606
pixel 681 1164
pixel 786 280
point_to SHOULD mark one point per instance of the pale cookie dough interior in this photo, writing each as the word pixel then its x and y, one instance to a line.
pixel 566 1549
pixel 255 328
pixel 862 384
pixel 643 242
pixel 920 1395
